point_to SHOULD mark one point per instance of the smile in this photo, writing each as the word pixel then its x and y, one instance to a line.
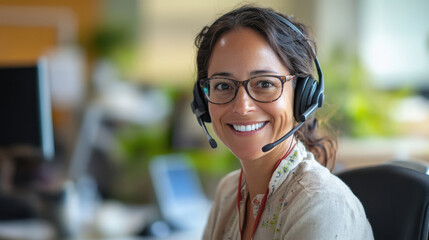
pixel 248 128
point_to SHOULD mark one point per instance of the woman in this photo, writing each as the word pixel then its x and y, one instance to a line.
pixel 250 63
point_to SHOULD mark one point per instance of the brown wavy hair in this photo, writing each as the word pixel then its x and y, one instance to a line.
pixel 294 52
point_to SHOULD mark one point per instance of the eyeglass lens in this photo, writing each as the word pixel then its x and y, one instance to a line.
pixel 223 90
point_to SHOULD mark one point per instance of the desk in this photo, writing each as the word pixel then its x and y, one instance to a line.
pixel 37 229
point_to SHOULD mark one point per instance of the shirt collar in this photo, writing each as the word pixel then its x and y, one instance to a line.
pixel 280 174
pixel 290 162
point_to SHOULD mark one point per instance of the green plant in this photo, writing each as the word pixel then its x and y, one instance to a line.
pixel 116 42
pixel 354 106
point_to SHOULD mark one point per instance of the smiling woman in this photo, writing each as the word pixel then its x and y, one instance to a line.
pixel 255 86
pixel 240 54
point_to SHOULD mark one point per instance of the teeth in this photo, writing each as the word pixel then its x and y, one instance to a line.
pixel 248 128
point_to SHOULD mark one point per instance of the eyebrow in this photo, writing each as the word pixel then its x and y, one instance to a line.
pixel 252 73
pixel 258 72
pixel 222 74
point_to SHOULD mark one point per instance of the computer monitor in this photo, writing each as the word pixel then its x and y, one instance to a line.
pixel 25 108
pixel 180 196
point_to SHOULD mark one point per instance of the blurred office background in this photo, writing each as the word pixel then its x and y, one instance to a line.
pixel 121 75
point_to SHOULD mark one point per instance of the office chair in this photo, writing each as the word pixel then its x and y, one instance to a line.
pixel 395 198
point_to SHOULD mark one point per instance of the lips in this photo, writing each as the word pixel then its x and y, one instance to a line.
pixel 248 127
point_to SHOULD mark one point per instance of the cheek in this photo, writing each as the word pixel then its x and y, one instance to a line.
pixel 284 113
pixel 216 113
pixel 283 110
pixel 290 101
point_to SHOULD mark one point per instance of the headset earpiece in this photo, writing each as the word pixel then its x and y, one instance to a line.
pixel 200 108
pixel 199 105
pixel 306 95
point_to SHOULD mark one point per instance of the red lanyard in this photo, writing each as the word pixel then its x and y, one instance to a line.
pixel 264 199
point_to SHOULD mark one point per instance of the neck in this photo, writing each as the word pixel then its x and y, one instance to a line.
pixel 258 172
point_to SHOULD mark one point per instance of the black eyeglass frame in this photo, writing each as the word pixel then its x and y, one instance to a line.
pixel 283 80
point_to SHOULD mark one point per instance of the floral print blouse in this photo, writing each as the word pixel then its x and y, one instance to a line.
pixel 305 202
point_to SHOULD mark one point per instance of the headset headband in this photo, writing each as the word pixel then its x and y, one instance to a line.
pixel 316 61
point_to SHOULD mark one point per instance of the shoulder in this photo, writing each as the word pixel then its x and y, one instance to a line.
pixel 315 178
pixel 228 183
pixel 223 206
pixel 319 186
pixel 310 178
pixel 322 203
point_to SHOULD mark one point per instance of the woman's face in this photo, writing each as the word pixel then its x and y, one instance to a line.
pixel 241 54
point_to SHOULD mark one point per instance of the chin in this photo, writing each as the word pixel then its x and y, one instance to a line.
pixel 247 153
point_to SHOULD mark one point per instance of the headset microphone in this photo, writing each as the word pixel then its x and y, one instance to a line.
pixel 269 146
pixel 302 118
pixel 212 142
pixel 198 113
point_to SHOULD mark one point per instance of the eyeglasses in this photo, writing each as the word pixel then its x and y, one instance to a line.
pixel 264 88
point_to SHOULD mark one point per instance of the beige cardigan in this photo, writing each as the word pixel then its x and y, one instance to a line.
pixel 305 202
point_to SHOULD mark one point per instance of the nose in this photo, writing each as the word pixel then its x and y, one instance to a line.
pixel 243 103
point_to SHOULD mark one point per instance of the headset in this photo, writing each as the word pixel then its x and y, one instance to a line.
pixel 309 96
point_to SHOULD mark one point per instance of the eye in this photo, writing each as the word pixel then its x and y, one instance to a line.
pixel 264 84
pixel 221 84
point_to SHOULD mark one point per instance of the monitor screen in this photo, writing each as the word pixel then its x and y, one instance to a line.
pixel 25 112
pixel 183 183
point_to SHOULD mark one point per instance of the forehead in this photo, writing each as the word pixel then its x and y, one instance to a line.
pixel 242 51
